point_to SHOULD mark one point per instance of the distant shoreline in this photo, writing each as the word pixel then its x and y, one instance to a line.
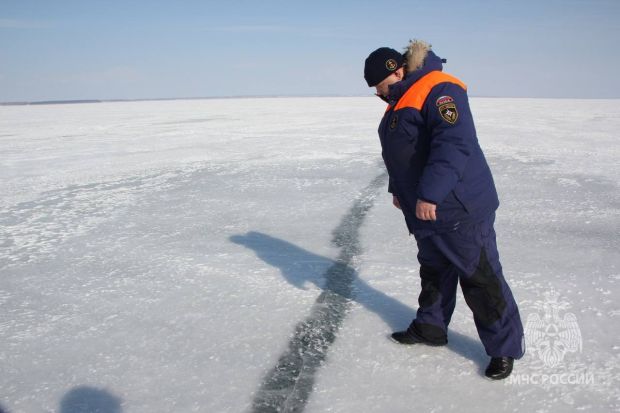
pixel 80 101
pixel 76 101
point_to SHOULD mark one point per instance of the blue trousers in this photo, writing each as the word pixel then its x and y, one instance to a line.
pixel 469 255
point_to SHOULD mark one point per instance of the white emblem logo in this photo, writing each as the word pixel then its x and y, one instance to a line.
pixel 552 336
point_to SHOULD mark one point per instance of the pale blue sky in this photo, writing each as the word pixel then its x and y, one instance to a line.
pixel 58 50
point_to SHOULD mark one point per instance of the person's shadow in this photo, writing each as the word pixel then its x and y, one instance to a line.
pixel 85 399
pixel 299 267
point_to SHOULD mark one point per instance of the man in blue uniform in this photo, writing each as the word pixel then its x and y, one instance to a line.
pixel 441 181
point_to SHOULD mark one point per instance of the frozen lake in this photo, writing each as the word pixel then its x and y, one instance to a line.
pixel 239 254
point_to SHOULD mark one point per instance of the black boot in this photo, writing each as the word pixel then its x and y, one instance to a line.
pixel 499 368
pixel 410 337
pixel 403 337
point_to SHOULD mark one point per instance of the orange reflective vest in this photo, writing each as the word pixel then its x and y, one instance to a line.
pixel 418 92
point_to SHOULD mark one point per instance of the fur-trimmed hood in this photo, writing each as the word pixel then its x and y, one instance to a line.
pixel 415 54
pixel 420 60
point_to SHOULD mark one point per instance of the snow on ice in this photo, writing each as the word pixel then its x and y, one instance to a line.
pixel 240 254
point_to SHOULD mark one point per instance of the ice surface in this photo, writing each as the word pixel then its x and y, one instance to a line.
pixel 164 256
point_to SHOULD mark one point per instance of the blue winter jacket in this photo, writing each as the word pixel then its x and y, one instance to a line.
pixel 431 151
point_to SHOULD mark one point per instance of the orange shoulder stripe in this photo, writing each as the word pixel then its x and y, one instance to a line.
pixel 418 92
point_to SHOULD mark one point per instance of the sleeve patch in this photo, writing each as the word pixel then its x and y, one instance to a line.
pixel 442 100
pixel 447 109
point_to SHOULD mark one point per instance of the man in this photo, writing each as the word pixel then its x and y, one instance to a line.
pixel 441 181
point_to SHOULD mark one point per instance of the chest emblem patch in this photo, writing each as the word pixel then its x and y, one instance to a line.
pixel 394 122
pixel 447 109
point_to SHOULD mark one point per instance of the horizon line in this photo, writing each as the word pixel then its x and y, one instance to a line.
pixel 78 101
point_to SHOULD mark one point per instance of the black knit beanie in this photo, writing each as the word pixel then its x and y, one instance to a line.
pixel 380 64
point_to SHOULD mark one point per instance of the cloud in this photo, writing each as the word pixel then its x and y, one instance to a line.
pixel 305 31
pixel 23 24
pixel 251 28
pixel 110 75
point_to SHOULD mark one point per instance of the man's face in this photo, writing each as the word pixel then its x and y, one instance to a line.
pixel 383 88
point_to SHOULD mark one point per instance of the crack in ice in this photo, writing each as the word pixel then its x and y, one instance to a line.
pixel 288 385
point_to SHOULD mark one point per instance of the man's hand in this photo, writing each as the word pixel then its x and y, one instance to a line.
pixel 395 202
pixel 425 211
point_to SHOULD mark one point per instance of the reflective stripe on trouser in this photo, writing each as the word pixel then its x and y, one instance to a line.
pixel 468 254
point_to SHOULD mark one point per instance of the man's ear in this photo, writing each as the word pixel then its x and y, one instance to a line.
pixel 400 73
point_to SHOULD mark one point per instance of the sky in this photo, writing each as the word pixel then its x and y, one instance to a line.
pixel 87 49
